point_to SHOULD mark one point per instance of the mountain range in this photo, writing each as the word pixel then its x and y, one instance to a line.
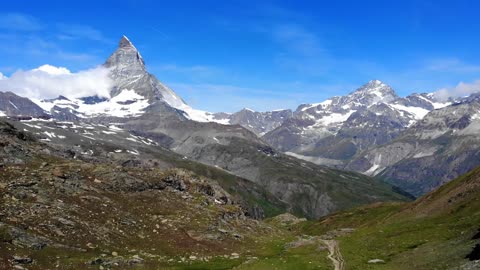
pixel 149 111
pixel 371 130
pixel 119 201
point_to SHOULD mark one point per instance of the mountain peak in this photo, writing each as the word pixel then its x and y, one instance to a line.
pixel 371 93
pixel 376 82
pixel 376 87
pixel 128 72
pixel 126 57
pixel 125 43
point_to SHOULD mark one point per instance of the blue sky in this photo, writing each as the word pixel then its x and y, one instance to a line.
pixel 226 55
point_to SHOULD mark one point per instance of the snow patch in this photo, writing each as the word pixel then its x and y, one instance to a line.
pixel 50 134
pixel 316 160
pixel 372 169
pixel 323 104
pixel 424 154
pixel 334 118
pixel 126 104
pixel 34 126
pixel 133 152
pixel 375 169
pixel 417 112
pixel 15 106
pixel 115 128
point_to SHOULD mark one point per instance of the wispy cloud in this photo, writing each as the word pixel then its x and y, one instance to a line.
pixel 19 22
pixel 77 31
pixel 26 35
pixel 460 90
pixel 37 46
pixel 298 49
pixel 451 65
pixel 297 39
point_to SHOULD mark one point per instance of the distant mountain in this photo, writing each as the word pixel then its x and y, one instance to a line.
pixel 257 122
pixel 438 148
pixel 13 105
pixel 334 131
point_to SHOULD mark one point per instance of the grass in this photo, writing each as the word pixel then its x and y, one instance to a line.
pixel 435 232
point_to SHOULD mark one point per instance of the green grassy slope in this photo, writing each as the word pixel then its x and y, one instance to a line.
pixel 434 232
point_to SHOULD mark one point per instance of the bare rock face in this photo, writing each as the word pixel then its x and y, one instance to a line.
pixel 341 127
pixel 16 106
pixel 257 122
pixel 438 148
pixel 128 72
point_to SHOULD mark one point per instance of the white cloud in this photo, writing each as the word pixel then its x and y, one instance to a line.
pixel 18 21
pixel 53 70
pixel 462 89
pixel 2 77
pixel 49 82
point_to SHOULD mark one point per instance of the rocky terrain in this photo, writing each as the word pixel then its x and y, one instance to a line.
pixel 258 122
pixel 440 147
pixel 63 209
pixel 101 208
pixel 16 106
pixel 334 131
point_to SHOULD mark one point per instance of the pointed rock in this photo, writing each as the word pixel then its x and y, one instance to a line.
pixel 371 93
pixel 128 72
pixel 126 57
pixel 125 43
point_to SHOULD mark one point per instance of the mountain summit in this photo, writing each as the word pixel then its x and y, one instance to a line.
pixel 128 72
pixel 125 43
pixel 369 94
pixel 126 57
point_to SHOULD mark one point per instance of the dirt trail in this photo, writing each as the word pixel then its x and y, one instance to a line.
pixel 334 254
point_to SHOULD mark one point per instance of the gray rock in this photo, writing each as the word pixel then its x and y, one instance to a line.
pixel 20 107
pixel 22 260
pixel 258 122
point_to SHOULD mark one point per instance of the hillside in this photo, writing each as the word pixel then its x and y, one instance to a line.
pixel 438 231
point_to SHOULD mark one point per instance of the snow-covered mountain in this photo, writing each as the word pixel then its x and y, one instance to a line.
pixel 134 90
pixel 333 131
pixel 358 131
pixel 258 122
pixel 141 106
pixel 436 149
